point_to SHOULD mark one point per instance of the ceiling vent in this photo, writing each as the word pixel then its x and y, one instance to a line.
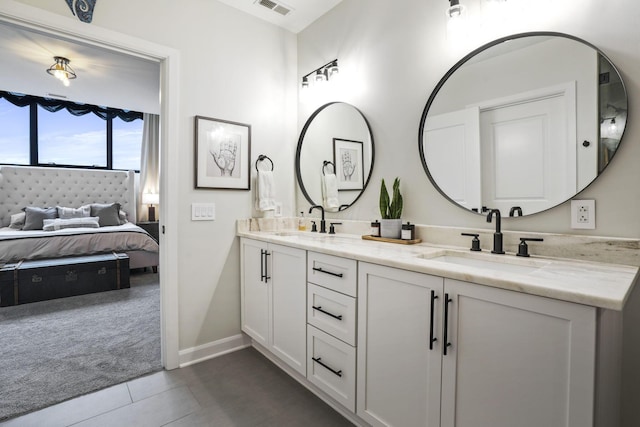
pixel 276 7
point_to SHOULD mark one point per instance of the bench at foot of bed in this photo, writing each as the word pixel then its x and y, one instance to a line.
pixel 30 281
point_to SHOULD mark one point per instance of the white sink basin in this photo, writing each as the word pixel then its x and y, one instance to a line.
pixel 505 263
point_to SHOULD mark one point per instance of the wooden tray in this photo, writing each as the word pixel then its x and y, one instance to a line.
pixel 399 241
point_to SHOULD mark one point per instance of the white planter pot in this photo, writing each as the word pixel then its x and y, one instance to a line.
pixel 390 228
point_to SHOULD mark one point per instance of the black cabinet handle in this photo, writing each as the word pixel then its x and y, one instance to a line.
pixel 447 300
pixel 432 339
pixel 262 265
pixel 266 267
pixel 319 308
pixel 320 270
pixel 338 373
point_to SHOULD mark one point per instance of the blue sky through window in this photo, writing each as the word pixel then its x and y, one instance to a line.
pixel 66 139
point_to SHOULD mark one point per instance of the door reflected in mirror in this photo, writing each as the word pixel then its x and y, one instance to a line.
pixel 527 121
pixel 335 150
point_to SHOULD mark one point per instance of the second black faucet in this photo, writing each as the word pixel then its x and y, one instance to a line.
pixel 497 236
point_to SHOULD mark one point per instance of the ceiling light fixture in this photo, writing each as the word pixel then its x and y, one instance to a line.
pixel 322 74
pixel 61 70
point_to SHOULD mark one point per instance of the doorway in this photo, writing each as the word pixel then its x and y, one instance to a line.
pixel 56 26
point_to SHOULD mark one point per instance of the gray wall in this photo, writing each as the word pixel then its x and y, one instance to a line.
pixel 391 56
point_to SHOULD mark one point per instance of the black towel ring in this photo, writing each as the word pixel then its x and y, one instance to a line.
pixel 327 162
pixel 262 157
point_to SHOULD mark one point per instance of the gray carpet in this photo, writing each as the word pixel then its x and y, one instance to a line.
pixel 55 350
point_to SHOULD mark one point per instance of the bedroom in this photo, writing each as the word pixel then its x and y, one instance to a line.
pixel 88 164
pixel 51 128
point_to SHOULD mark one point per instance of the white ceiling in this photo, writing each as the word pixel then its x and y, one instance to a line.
pixel 104 77
pixel 303 12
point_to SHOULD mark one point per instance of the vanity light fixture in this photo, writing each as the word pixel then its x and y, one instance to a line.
pixel 61 70
pixel 456 19
pixel 456 10
pixel 322 74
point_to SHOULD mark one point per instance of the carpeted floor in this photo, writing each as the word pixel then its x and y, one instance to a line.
pixel 55 350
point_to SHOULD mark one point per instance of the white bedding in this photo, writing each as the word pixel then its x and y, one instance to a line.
pixel 16 245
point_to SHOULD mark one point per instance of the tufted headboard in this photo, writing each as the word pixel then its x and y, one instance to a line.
pixel 22 186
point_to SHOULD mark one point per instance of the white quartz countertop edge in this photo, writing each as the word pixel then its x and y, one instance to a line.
pixel 595 284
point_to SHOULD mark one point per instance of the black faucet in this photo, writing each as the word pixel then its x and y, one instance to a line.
pixel 515 211
pixel 323 224
pixel 497 236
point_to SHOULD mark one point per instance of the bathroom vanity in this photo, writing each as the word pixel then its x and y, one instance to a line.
pixel 425 335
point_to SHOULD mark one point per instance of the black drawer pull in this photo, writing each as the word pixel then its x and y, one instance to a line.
pixel 447 344
pixel 319 308
pixel 320 270
pixel 338 373
pixel 432 339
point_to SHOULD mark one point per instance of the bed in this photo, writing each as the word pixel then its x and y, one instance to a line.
pixel 27 190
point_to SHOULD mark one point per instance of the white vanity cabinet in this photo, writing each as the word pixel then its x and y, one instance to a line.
pixel 478 356
pixel 398 375
pixel 273 294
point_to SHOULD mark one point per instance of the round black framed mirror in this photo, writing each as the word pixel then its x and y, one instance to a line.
pixel 336 139
pixel 523 124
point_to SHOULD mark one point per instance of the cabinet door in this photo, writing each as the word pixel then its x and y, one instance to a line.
pixel 288 304
pixel 398 374
pixel 516 360
pixel 255 291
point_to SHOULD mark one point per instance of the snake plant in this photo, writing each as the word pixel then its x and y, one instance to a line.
pixel 391 208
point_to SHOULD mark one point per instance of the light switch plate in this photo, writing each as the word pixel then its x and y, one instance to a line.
pixel 203 211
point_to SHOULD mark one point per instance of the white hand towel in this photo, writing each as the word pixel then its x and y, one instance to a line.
pixel 265 191
pixel 330 192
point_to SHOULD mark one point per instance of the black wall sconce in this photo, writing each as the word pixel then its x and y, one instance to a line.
pixel 321 74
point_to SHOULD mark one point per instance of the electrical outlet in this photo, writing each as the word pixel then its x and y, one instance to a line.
pixel 583 214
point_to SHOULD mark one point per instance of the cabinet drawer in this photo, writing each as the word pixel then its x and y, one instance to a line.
pixel 339 274
pixel 332 312
pixel 332 366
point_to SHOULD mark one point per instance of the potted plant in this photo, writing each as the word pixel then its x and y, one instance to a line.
pixel 391 211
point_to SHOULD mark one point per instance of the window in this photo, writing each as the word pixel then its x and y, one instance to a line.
pixel 127 143
pixel 43 131
pixel 14 134
pixel 65 139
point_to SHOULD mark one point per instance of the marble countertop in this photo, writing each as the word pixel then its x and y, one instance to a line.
pixel 595 284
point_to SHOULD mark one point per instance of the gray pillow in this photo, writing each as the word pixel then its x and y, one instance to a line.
pixel 17 221
pixel 108 214
pixel 34 217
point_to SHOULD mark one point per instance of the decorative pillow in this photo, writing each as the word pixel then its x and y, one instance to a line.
pixel 66 213
pixel 34 217
pixel 17 221
pixel 60 223
pixel 108 213
pixel 123 217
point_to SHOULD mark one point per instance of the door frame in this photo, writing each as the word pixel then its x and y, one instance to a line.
pixel 57 26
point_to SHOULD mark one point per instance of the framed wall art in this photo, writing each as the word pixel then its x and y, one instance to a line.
pixel 348 158
pixel 223 152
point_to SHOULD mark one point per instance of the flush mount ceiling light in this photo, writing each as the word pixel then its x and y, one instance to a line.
pixel 322 74
pixel 61 70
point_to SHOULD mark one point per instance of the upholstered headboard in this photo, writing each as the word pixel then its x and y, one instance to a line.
pixel 22 186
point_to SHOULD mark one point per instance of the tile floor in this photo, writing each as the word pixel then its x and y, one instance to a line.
pixel 238 389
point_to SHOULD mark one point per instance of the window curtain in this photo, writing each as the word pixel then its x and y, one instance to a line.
pixel 75 108
pixel 149 162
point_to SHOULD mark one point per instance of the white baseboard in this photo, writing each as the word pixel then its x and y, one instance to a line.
pixel 190 356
